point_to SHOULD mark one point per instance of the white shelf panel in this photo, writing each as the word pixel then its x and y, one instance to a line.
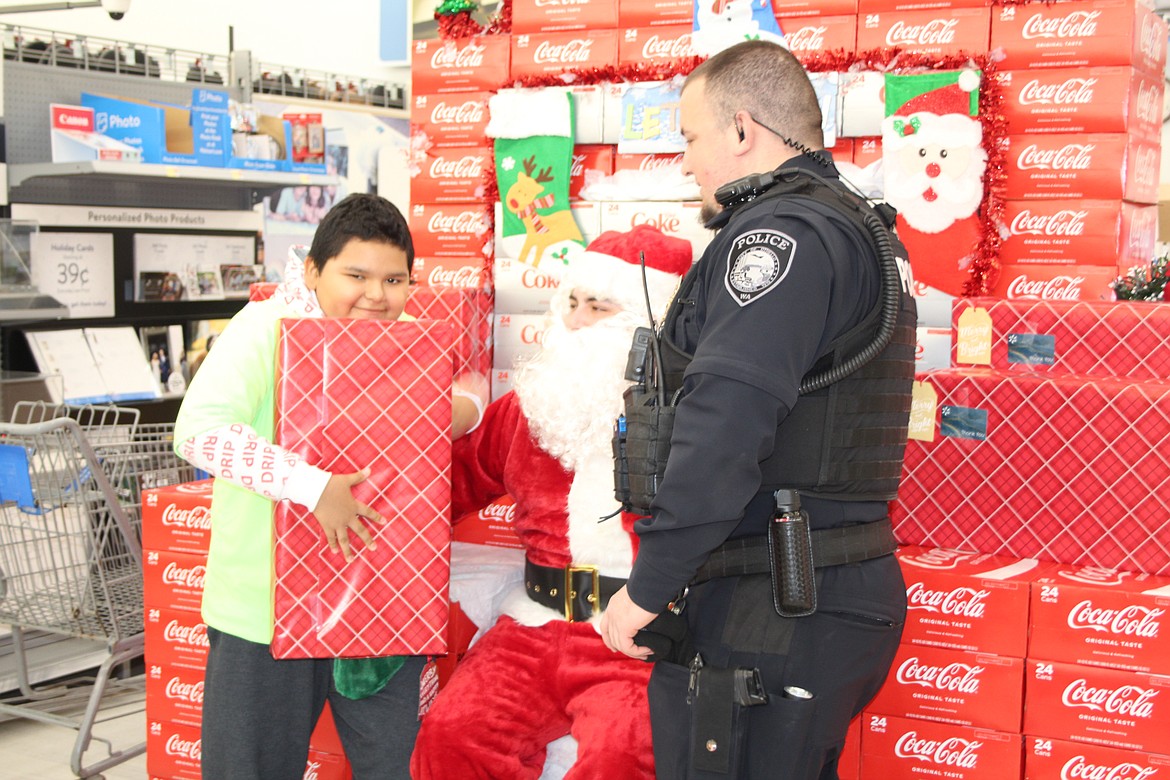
pixel 18 174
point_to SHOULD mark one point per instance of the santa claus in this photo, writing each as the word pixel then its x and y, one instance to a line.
pixel 542 671
pixel 933 163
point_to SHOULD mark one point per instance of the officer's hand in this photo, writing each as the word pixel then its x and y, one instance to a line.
pixel 340 514
pixel 620 621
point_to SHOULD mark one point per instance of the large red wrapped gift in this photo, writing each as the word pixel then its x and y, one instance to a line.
pixel 469 310
pixel 1070 468
pixel 352 394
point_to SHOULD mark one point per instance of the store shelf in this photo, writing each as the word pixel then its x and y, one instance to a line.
pixel 21 173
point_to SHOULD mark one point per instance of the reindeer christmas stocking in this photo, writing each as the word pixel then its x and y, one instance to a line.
pixel 533 132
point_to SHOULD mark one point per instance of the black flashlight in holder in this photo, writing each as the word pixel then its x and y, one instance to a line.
pixel 794 588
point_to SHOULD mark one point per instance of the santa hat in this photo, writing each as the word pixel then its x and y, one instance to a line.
pixel 610 269
pixel 942 101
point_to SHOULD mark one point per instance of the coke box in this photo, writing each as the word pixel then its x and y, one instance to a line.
pixel 1079 33
pixel 654 13
pixel 449 272
pixel 906 749
pixel 177 517
pixel 790 8
pixel 589 161
pixel 862 104
pixel 451 175
pixel 325 738
pixel 849 764
pixel 175 638
pixel 1108 338
pixel 1054 282
pixel 1057 759
pixel 1082 100
pixel 842 151
pixel 1123 709
pixel 450 230
pixel 543 54
pixel 867 151
pixel 808 36
pixel 655 45
pixel 1112 233
pixel 939 32
pixel 537 16
pixel 522 289
pixel 492 525
pixel 326 766
pixel 517 336
pixel 450 120
pixel 674 218
pixel 173 580
pixel 645 162
pixel 967 601
pixel 1102 617
pixel 1037 465
pixel 1103 166
pixel 173 751
pixel 464 65
pixel 953 686
pixel 174 694
pixel 501 382
pixel 932 349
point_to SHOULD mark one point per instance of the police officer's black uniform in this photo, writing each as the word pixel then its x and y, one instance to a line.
pixel 779 283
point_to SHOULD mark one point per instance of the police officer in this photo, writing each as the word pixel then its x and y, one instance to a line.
pixel 760 339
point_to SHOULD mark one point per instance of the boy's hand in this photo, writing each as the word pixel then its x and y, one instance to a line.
pixel 338 512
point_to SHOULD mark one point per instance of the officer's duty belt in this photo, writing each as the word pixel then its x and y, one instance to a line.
pixel 577 592
pixel 830 547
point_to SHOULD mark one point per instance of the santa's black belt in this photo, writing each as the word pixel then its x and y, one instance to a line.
pixel 577 592
pixel 830 547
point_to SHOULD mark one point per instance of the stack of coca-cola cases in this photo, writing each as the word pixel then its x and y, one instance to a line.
pixel 176 529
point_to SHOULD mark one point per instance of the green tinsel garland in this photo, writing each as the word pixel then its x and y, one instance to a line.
pixel 452 7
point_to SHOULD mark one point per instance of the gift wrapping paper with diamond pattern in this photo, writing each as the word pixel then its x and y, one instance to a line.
pixel 1073 469
pixel 470 311
pixel 1103 338
pixel 352 394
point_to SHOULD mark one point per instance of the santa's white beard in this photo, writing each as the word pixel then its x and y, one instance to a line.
pixel 956 198
pixel 571 391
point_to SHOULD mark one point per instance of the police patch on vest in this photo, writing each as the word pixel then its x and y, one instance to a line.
pixel 757 263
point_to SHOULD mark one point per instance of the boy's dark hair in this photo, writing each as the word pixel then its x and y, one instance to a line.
pixel 363 216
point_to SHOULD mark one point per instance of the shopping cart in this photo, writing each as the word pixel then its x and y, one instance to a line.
pixel 71 480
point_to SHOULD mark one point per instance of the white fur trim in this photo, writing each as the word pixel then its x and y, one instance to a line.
pixel 592 541
pixel 613 279
pixel 523 113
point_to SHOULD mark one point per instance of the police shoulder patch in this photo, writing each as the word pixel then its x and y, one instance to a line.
pixel 756 264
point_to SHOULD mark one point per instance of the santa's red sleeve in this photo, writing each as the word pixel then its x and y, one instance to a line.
pixel 479 458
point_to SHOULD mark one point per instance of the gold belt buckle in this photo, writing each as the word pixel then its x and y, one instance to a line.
pixel 594 598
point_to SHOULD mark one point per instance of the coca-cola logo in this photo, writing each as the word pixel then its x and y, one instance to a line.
pixel 1128 700
pixel 532 335
pixel 1070 157
pixel 578 166
pixel 505 512
pixel 194 636
pixel 1078 24
pixel 953 677
pixel 184 748
pixel 1151 39
pixel 469 112
pixel 1132 620
pixel 1149 102
pixel 657 162
pixel 658 47
pixel 960 602
pixel 189 692
pixel 954 751
pixel 575 51
pixel 197 517
pixel 469 166
pixel 810 38
pixel 531 279
pixel 1058 288
pixel 463 222
pixel 1145 163
pixel 666 223
pixel 1069 92
pixel 1066 222
pixel 174 574
pixel 1079 768
pixel 936 558
pixel 936 32
pixel 450 56
pixel 464 276
pixel 311 770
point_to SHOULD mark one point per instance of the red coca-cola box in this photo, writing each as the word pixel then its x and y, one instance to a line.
pixel 940 32
pixel 866 151
pixel 175 638
pixel 1054 282
pixel 177 517
pixel 542 16
pixel 870 6
pixel 595 158
pixel 492 525
pixel 173 580
pixel 1111 233
pixel 655 45
pixel 1102 617
pixel 450 229
pixel 953 686
pixel 895 748
pixel 842 151
pixel 1113 707
pixel 174 694
pixel 1079 33
pixel 464 65
pixel 790 8
pixel 966 600
pixel 1057 759
pixel 458 119
pixel 449 272
pixel 325 737
pixel 451 175
pixel 173 751
pixel 849 764
pixel 654 13
pixel 543 54
pixel 326 766
pixel 1082 100
pixel 808 36
pixel 1106 166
